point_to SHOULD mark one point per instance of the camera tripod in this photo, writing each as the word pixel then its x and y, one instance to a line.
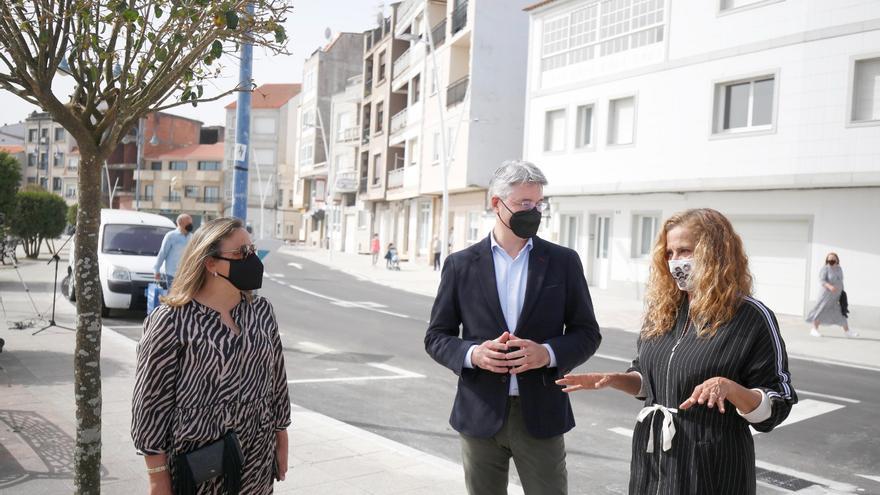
pixel 51 321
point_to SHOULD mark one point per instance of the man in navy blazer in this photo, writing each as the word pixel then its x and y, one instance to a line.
pixel 513 314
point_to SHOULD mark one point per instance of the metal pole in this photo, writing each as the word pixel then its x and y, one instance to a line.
pixel 328 198
pixel 444 213
pixel 243 129
pixel 140 155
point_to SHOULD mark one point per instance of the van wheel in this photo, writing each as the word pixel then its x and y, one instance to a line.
pixel 105 311
pixel 68 289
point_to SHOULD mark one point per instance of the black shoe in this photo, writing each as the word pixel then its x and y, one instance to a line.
pixel 2 343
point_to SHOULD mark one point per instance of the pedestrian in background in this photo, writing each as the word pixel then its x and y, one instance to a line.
pixel 172 248
pixel 828 310
pixel 210 368
pixel 512 314
pixel 435 249
pixel 705 345
pixel 374 248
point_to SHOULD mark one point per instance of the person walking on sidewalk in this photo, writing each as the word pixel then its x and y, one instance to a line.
pixel 211 362
pixel 435 249
pixel 526 318
pixel 172 248
pixel 705 345
pixel 374 248
pixel 828 310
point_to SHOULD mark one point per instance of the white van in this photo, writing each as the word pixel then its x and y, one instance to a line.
pixel 128 243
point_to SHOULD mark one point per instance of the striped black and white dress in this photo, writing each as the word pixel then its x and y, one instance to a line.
pixel 196 379
pixel 711 453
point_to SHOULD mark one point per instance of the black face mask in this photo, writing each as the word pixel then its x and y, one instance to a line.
pixel 831 262
pixel 188 228
pixel 524 224
pixel 246 274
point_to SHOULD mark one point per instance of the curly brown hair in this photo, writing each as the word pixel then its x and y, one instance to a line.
pixel 721 275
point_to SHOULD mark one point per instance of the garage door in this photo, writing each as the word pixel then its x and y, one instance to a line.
pixel 778 252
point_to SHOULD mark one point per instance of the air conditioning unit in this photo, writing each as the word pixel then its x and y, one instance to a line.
pixel 44 140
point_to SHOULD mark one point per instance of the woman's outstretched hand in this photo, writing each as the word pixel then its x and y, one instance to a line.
pixel 585 381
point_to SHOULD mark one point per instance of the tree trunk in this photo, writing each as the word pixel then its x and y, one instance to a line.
pixel 87 355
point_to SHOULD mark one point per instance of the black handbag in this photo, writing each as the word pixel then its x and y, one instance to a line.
pixel 844 304
pixel 221 457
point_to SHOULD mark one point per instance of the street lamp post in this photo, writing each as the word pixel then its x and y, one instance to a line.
pixel 444 159
pixel 330 176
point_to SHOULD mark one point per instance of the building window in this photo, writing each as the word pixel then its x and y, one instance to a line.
pixel 621 120
pixel 148 192
pixel 601 29
pixel 264 125
pixel 70 193
pixel 44 161
pixel 584 127
pixel 554 130
pixel 474 219
pixel 744 105
pixel 308 80
pixel 413 152
pixel 644 232
pixel 173 194
pixel 209 165
pixel 32 159
pixel 424 226
pixel 155 165
pixel 307 154
pixel 212 193
pixel 32 135
pixel 380 115
pixel 736 4
pixel 377 170
pixel 58 160
pixel 44 182
pixel 59 133
pixel 191 191
pixel 31 180
pixel 56 183
pixel 73 163
pixel 416 88
pixel 866 90
pixel 381 66
pixel 177 165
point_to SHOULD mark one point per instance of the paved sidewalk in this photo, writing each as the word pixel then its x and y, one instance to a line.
pixel 616 312
pixel 38 427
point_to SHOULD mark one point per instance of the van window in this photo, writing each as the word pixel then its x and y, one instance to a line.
pixel 140 240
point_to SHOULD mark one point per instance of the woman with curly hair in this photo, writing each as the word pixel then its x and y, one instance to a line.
pixel 706 346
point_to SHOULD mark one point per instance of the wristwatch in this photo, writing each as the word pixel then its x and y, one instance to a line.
pixel 157 469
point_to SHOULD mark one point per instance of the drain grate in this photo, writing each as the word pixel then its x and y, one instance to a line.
pixel 782 480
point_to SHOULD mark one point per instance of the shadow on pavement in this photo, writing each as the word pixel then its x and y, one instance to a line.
pixel 53 448
pixel 14 373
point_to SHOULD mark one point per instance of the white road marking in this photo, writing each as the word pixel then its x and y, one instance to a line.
pixel 806 409
pixel 613 358
pixel 368 306
pixel 622 431
pixel 399 374
pixel 870 477
pixel 393 369
pixel 275 275
pixel 295 265
pixel 316 348
pixel 826 396
pixel 834 363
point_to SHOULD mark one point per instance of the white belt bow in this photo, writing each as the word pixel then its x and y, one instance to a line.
pixel 668 429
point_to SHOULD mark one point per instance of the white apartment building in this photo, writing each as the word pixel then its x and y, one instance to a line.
pixel 269 144
pixel 767 110
pixel 480 48
pixel 288 221
pixel 50 157
pixel 347 220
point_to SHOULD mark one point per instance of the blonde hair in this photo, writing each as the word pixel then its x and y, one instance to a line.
pixel 721 275
pixel 191 271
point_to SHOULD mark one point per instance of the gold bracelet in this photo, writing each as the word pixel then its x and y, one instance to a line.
pixel 157 469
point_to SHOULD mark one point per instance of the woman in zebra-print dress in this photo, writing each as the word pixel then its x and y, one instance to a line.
pixel 705 346
pixel 211 361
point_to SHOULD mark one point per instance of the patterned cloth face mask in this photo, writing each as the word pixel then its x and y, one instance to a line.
pixel 681 271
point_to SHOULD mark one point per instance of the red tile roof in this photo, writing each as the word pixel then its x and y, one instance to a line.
pixel 12 148
pixel 271 96
pixel 195 152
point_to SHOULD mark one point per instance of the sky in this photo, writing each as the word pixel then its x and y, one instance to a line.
pixel 305 27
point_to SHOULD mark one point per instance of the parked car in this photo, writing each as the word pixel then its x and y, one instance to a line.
pixel 128 243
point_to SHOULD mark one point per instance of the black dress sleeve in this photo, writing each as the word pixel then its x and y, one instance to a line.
pixel 765 367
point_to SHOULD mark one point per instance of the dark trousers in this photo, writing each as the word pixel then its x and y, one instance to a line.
pixel 436 261
pixel 540 462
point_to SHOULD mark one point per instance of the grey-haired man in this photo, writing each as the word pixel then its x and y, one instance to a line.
pixel 526 319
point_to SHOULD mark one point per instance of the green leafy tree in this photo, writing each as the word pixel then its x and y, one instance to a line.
pixel 71 214
pixel 37 216
pixel 10 178
pixel 127 58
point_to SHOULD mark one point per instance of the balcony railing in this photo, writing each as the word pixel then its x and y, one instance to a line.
pixel 348 135
pixel 456 91
pixel 459 17
pixel 346 182
pixel 438 33
pixel 401 64
pixel 398 121
pixel 171 199
pixel 395 178
pixel 208 199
